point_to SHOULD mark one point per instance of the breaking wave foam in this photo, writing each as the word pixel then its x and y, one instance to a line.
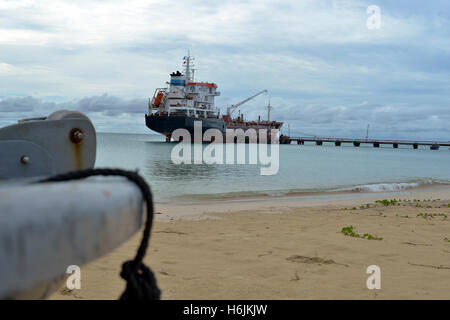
pixel 368 188
pixel 383 187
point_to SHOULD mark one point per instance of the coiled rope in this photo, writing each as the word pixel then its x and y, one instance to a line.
pixel 141 282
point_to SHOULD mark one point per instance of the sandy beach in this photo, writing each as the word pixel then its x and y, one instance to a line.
pixel 290 248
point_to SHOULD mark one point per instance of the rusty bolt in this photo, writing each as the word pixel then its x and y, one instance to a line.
pixel 76 135
pixel 24 159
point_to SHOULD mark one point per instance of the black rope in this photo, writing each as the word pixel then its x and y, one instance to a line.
pixel 141 282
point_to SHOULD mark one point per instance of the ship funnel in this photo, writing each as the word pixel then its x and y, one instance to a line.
pixel 177 79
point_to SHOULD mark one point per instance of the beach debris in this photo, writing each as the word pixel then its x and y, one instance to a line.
pixel 310 260
pixel 417 244
pixel 429 266
pixel 190 278
pixel 296 277
pixel 164 272
pixel 170 231
pixel 66 291
pixel 268 253
pixel 69 292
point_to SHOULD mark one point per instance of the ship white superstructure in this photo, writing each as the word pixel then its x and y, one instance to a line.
pixel 185 96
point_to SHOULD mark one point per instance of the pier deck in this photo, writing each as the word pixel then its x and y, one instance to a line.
pixel 357 142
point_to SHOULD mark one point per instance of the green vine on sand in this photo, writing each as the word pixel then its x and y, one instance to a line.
pixel 348 231
pixel 385 202
pixel 432 215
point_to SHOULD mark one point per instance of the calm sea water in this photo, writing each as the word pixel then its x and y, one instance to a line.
pixel 307 168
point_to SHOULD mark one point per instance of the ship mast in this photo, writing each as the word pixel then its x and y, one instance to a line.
pixel 187 74
pixel 268 111
pixel 187 71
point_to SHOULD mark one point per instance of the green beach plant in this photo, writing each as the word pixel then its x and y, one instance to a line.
pixel 349 231
pixel 385 202
pixel 432 215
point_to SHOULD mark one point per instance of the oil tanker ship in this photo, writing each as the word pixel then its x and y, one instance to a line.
pixel 185 101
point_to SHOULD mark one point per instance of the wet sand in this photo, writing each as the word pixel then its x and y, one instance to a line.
pixel 290 248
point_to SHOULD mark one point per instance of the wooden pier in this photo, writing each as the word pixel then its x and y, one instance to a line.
pixel 357 142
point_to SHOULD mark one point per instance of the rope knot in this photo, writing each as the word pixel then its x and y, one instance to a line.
pixel 141 282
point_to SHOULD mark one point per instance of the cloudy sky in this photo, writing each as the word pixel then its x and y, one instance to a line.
pixel 327 73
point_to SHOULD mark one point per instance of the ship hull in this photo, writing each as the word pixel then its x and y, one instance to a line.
pixel 166 125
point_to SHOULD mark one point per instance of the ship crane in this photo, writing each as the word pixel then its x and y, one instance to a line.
pixel 233 107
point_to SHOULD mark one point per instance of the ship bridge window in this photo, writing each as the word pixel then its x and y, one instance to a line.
pixel 192 88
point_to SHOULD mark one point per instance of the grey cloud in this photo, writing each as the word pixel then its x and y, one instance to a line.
pixel 116 114
pixel 386 120
pixel 23 104
pixel 107 104
pixel 111 105
pixel 387 113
